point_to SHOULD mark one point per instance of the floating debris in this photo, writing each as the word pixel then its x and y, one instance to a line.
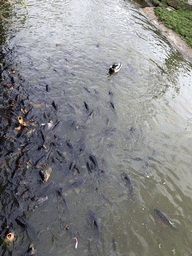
pixel 9 237
pixel 45 174
pixel 76 244
pixel 20 119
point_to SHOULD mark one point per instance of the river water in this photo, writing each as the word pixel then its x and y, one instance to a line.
pixel 85 128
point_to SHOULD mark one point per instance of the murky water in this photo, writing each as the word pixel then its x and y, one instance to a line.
pixel 85 128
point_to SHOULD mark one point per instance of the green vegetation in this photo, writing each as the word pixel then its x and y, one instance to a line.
pixel 4 9
pixel 179 20
pixel 155 3
pixel 177 4
pixel 164 1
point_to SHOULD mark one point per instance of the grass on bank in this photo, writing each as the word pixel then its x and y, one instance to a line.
pixel 179 20
pixel 4 9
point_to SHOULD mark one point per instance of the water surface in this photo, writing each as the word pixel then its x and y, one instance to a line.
pixel 90 127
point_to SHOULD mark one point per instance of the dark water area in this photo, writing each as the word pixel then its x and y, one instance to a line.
pixel 142 3
pixel 92 163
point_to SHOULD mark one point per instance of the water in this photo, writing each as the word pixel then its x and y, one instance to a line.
pixel 61 52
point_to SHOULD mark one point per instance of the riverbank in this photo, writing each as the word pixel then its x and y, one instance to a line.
pixel 174 38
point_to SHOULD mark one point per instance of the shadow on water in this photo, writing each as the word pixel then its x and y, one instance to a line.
pixel 142 3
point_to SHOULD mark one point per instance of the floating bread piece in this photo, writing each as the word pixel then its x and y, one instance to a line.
pixel 20 119
pixel 9 237
pixel 45 174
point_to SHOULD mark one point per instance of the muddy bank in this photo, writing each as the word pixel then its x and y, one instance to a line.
pixel 174 38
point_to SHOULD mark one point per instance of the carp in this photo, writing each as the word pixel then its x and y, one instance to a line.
pixel 94 222
pixel 127 181
pixel 164 219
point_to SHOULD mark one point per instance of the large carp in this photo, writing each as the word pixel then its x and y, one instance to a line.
pixel 164 219
pixel 127 182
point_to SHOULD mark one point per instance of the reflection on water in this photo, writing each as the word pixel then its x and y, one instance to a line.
pixel 86 157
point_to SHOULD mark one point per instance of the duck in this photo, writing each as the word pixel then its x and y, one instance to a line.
pixel 115 68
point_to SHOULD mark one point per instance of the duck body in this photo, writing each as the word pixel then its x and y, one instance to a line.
pixel 115 68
